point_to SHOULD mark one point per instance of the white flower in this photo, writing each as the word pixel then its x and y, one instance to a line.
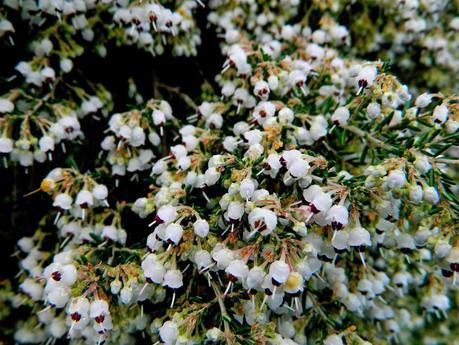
pixel 202 259
pixel 6 106
pixel 338 215
pixel 261 89
pixel 173 279
pixel 169 333
pixel 431 195
pixel 333 339
pixel 340 241
pixel 366 76
pixel 154 271
pixel 79 308
pixel 46 143
pixel 440 113
pixel 422 163
pixel 286 115
pixel 98 310
pixel 235 211
pixel 299 168
pixel 223 257
pixel 262 220
pixel 255 277
pixel 84 199
pixel 58 297
pixel 126 295
pixel 6 145
pixel 416 193
pixel 279 272
pixel 341 116
pixel 237 269
pixel 373 110
pixel 201 228
pixel 211 176
pixel 100 192
pixel 423 100
pixel 396 179
pixel 321 202
pixel 109 232
pixel 247 188
pixel 166 214
pixel 359 237
pixel 48 74
pixel 63 201
pixel 66 65
pixel 115 286
pixel 174 233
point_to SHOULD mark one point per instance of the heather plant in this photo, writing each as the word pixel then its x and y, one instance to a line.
pixel 306 195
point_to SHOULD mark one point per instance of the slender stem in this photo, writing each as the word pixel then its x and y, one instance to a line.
pixel 187 99
pixel 362 134
pixel 223 312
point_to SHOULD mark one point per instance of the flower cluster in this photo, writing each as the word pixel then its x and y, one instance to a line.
pixel 132 132
pixel 312 198
pixel 69 28
pixel 32 128
pixel 418 37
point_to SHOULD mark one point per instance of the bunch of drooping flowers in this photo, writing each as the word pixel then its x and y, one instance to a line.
pixel 312 198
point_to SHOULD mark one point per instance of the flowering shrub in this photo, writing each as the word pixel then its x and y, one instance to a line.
pixel 309 197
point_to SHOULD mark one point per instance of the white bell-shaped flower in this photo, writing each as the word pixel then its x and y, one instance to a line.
pixel 247 188
pixel 440 113
pixel 396 179
pixel 166 214
pixel 6 145
pixel 431 195
pixel 262 220
pixel 340 116
pixel 173 279
pixel 423 100
pixel 154 272
pixel 279 271
pixel 201 228
pixel 339 216
pixel 340 241
pixel 255 278
pixel 299 168
pixel 98 308
pixel 321 202
pixel 174 233
pixel 169 333
pixel 237 270
pixel 58 296
pixel 235 211
pixel 202 259
pixel 223 257
pixel 333 339
pixel 84 199
pixel 63 201
pixel 211 176
pixel 359 237
pixel 100 192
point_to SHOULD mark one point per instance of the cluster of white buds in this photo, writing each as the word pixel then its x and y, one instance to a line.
pixel 150 26
pixel 153 26
pixel 27 137
pixel 74 192
pixel 133 133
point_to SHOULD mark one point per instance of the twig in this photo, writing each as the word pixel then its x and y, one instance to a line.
pixel 362 134
pixel 187 99
pixel 223 312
